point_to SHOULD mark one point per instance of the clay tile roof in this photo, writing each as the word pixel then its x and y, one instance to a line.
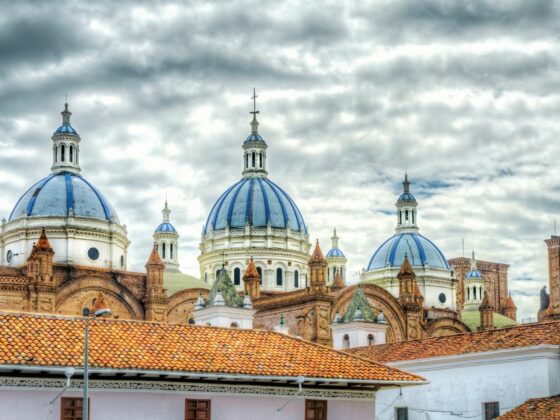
pixel 251 271
pixel 480 341
pixel 406 269
pixel 43 243
pixel 535 409
pixel 510 304
pixel 154 258
pixel 317 255
pixel 43 340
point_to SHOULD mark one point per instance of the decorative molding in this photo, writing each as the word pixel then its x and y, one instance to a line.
pixel 34 384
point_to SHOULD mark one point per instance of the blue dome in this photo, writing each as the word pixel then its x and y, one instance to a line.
pixel 420 250
pixel 335 252
pixel 166 227
pixel 473 274
pixel 56 194
pixel 256 201
pixel 253 138
pixel 66 128
pixel 406 196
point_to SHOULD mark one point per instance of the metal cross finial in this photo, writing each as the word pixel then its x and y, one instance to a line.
pixel 223 254
pixel 254 98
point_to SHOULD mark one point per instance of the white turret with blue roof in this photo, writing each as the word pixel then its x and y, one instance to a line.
pixel 336 260
pixel 82 226
pixel 256 218
pixel 166 239
pixel 436 280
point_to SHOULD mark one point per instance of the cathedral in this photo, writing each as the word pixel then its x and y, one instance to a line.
pixel 63 249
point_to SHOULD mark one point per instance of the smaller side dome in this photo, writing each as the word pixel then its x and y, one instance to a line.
pixel 335 252
pixel 473 272
pixel 166 227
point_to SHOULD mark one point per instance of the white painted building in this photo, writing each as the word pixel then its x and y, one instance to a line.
pixel 471 374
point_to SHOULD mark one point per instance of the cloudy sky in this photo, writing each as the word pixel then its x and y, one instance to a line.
pixel 465 95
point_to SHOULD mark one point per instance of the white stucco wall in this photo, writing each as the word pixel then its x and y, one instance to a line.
pixel 462 384
pixel 34 405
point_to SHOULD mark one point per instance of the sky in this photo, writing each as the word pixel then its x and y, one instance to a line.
pixel 464 95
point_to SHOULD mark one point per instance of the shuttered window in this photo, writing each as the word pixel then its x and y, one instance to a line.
pixel 315 410
pixel 197 410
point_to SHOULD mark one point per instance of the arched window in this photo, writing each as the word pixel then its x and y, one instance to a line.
pixel 346 341
pixel 237 276
pixel 406 215
pixel 217 274
pixel 400 217
pixel 163 250
pixel 171 250
pixel 260 160
pixel 253 159
pixel 55 153
pixel 71 153
pixel 468 293
pixel 205 277
pixel 259 270
pixel 279 277
pixel 370 340
pixel 474 293
pixel 62 153
pixel 234 325
pixel 296 279
pixel 191 321
pixel 246 160
pixel 413 216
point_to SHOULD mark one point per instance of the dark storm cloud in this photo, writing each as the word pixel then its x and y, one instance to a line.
pixel 463 94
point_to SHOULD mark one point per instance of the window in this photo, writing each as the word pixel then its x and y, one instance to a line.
pixel 406 215
pixel 474 293
pixel 71 153
pixel 401 413
pixel 400 217
pixel 171 250
pixel 71 408
pixel 315 410
pixel 253 159
pixel 346 341
pixel 205 277
pixel 163 250
pixel 62 148
pixel 197 409
pixel 296 279
pixel 93 253
pixel 491 410
pixel 237 276
pixel 370 340
pixel 122 260
pixel 260 160
pixel 468 293
pixel 279 277
pixel 217 274
pixel 259 270
pixel 191 321
pixel 55 155
pixel 234 325
pixel 9 256
pixel 246 161
pixel 442 298
pixel 412 216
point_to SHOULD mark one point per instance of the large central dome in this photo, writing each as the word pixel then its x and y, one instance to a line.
pixel 256 201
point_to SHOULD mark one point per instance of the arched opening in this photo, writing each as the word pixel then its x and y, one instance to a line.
pixel 234 325
pixel 474 293
pixel 413 216
pixel 217 274
pixel 468 293
pixel 62 149
pixel 71 153
pixel 163 250
pixel 246 161
pixel 260 160
pixel 346 341
pixel 253 159
pixel 55 153
pixel 370 340
pixel 171 250
pixel 237 276
pixel 400 217
pixel 279 277
pixel 205 277
pixel 296 279
pixel 406 215
pixel 259 270
pixel 191 321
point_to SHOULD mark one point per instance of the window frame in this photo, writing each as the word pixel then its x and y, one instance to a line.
pixel 401 415
pixel 237 276
pixel 314 416
pixel 187 400
pixel 74 417
pixel 279 279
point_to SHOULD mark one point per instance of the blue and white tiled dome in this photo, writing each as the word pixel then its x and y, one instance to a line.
pixel 473 274
pixel 66 128
pixel 166 227
pixel 420 251
pixel 60 192
pixel 257 201
pixel 335 252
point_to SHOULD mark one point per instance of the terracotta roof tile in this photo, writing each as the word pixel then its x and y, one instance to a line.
pixel 480 341
pixel 41 340
pixel 317 255
pixel 535 409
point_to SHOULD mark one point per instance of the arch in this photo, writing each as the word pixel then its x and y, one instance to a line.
pixel 253 158
pixel 181 305
pixel 406 215
pixel 260 160
pixel 71 153
pixel 474 293
pixel 381 300
pixel 246 160
pixel 446 326
pixel 74 293
pixel 237 276
pixel 62 150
